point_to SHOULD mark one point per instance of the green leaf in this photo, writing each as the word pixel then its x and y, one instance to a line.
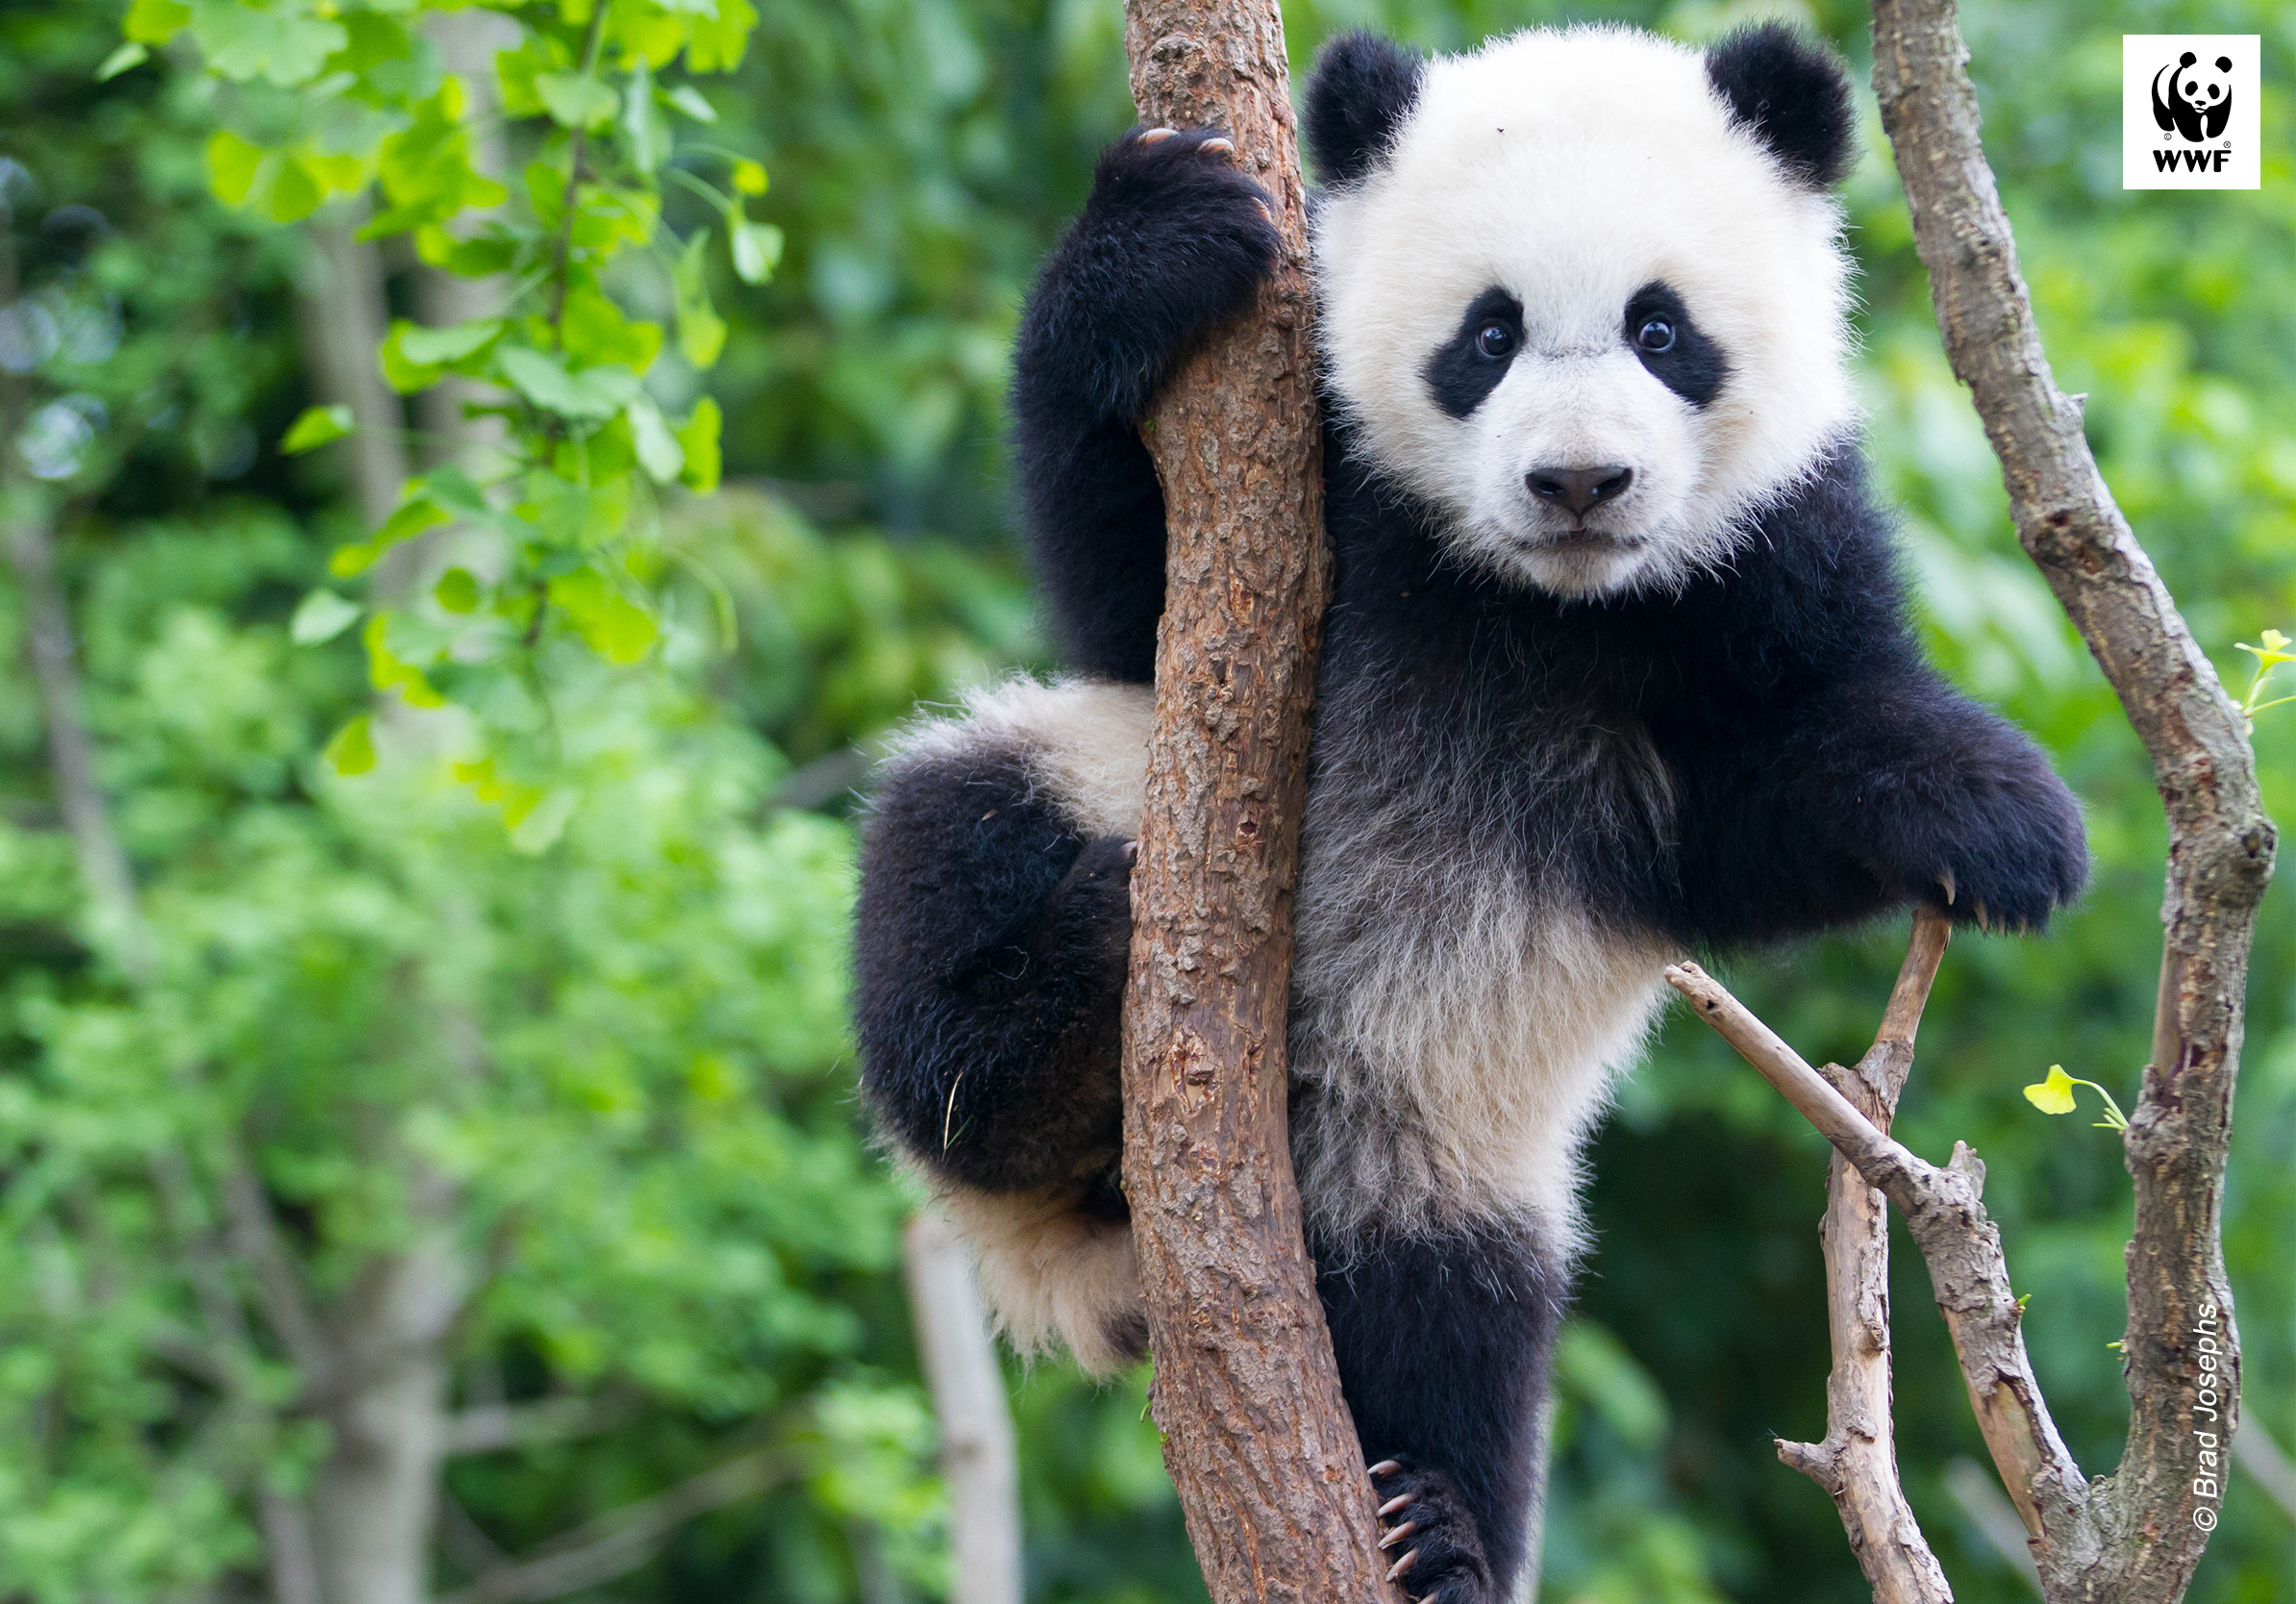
pixel 132 54
pixel 411 520
pixel 351 750
pixel 697 436
pixel 644 129
pixel 241 42
pixel 232 166
pixel 701 332
pixel 443 347
pixel 317 426
pixel 322 617
pixel 595 392
pixel 593 330
pixel 457 590
pixel 385 671
pixel 659 452
pixel 454 490
pixel 156 21
pixel 617 628
pixel 574 100
pixel 690 100
pixel 756 248
pixel 749 177
pixel 717 43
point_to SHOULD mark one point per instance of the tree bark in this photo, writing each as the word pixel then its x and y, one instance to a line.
pixel 2139 1533
pixel 1257 1437
pixel 977 1456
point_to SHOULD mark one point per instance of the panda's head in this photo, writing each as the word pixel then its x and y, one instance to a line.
pixel 2204 88
pixel 1583 290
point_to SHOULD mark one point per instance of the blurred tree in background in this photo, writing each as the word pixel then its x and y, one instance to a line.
pixel 589 1095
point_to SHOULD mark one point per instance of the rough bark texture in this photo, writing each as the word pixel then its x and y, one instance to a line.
pixel 977 1454
pixel 1856 1461
pixel 1257 1437
pixel 2140 1532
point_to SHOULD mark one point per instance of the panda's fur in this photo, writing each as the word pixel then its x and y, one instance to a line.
pixel 1616 666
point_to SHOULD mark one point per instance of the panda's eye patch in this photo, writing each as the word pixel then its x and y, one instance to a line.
pixel 1463 371
pixel 1660 330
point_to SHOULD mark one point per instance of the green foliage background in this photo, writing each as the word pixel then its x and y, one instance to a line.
pixel 627 1051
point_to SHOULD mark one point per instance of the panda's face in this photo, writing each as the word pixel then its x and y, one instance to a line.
pixel 2203 89
pixel 1585 313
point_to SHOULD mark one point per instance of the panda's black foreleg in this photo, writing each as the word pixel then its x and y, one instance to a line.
pixel 1444 1343
pixel 991 947
pixel 1173 241
pixel 1872 792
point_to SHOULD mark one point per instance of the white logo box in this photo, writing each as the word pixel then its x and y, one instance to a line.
pixel 2204 87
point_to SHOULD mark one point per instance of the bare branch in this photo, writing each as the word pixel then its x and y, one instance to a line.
pixel 255 1238
pixel 489 1428
pixel 616 1544
pixel 1856 1463
pixel 2150 1520
pixel 1963 1249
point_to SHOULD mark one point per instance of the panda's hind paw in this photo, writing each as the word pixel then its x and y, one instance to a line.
pixel 1429 1537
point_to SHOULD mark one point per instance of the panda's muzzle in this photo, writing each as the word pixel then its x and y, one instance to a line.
pixel 1581 489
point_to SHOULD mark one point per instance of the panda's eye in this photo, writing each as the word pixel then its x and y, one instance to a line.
pixel 1495 340
pixel 1655 333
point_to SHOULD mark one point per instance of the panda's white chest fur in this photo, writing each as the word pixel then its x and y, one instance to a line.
pixel 1458 1012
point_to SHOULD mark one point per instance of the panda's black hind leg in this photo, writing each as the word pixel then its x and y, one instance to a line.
pixel 1444 1337
pixel 990 948
pixel 1174 242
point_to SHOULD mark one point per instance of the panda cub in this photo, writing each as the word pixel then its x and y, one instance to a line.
pixel 1618 667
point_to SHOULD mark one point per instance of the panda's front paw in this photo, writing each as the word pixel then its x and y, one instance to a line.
pixel 1429 1537
pixel 2019 859
pixel 1175 239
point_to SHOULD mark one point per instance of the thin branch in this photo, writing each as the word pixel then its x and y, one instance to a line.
pixel 1960 1245
pixel 255 1238
pixel 2142 1531
pixel 616 1544
pixel 978 1459
pixel 489 1428
pixel 1856 1463
pixel 2263 1459
pixel 1980 1499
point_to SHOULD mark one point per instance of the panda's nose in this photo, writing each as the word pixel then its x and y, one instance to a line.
pixel 1579 489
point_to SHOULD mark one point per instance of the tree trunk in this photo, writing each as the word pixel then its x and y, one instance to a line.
pixel 1247 1395
pixel 377 1494
pixel 344 319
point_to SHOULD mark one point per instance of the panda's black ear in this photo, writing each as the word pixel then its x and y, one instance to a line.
pixel 1793 94
pixel 1362 89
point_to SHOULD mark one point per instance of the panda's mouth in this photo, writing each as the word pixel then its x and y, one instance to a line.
pixel 1587 542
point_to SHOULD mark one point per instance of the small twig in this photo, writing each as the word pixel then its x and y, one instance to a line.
pixel 590 41
pixel 619 1542
pixel 1856 1463
pixel 1961 1247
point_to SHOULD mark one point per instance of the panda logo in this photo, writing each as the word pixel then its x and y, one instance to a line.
pixel 2196 104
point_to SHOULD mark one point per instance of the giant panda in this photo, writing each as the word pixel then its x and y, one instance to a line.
pixel 1618 667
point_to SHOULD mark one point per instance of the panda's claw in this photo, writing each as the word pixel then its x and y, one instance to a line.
pixel 1219 144
pixel 1945 882
pixel 1401 1500
pixel 1157 135
pixel 1400 1567
pixel 1384 1468
pixel 1398 1534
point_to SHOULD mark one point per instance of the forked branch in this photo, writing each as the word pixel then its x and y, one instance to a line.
pixel 1856 1463
pixel 1960 1245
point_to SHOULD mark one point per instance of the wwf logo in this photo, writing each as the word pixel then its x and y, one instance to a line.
pixel 2192 100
